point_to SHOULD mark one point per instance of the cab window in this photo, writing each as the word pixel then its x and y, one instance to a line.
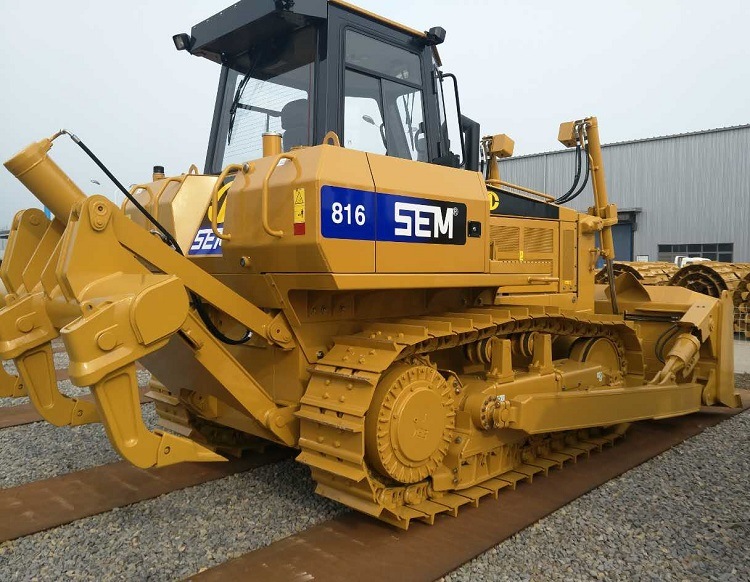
pixel 383 99
pixel 364 128
pixel 272 88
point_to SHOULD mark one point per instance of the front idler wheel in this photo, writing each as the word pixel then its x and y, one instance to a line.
pixel 410 424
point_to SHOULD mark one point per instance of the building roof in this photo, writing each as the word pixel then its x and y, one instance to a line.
pixel 642 140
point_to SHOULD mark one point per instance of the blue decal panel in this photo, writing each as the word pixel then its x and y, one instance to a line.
pixel 347 213
pixel 358 215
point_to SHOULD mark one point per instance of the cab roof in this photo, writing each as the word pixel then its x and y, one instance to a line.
pixel 226 34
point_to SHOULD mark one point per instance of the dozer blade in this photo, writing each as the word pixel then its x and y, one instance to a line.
pixel 36 368
pixel 117 398
pixel 10 385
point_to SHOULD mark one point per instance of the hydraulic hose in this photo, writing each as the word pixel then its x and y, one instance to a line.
pixel 165 233
pixel 573 193
pixel 562 199
pixel 612 289
pixel 196 299
pixel 585 178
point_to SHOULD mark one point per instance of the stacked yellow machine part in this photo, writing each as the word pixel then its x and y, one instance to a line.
pixel 412 381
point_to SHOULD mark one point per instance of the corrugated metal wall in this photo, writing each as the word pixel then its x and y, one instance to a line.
pixel 691 188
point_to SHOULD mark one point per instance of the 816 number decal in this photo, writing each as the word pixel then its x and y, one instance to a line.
pixel 347 213
pixel 341 213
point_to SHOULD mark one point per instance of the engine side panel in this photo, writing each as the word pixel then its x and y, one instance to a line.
pixel 431 219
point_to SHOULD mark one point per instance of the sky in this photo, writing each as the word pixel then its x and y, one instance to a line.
pixel 108 71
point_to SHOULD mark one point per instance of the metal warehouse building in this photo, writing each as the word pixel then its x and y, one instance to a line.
pixel 685 194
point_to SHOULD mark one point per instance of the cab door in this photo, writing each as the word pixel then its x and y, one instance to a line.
pixel 381 91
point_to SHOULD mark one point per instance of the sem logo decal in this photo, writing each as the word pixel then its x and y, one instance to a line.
pixel 205 242
pixel 418 220
pixel 428 220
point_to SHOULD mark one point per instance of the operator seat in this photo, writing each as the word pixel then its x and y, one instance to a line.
pixel 295 121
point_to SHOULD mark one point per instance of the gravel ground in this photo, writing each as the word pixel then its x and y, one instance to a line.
pixel 166 538
pixel 684 515
pixel 681 516
pixel 9 366
pixel 40 450
pixel 175 535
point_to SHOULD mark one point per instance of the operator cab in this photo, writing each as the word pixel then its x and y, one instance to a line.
pixel 305 68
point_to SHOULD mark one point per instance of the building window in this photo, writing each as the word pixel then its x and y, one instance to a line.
pixel 712 251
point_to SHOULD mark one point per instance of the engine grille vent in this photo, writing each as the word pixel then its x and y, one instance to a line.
pixel 537 240
pixel 506 239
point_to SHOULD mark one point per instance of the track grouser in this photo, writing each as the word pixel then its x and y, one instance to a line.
pixel 351 278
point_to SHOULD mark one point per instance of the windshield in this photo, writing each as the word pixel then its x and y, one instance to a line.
pixel 272 92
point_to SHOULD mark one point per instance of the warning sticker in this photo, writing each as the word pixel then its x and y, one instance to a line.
pixel 299 211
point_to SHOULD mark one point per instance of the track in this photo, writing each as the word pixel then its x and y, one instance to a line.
pixel 713 278
pixel 328 408
pixel 741 299
pixel 41 505
pixel 356 547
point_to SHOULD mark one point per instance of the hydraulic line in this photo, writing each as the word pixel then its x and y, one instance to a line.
pixel 164 232
pixel 582 144
pixel 200 307
pixel 562 199
pixel 586 177
pixel 612 290
pixel 663 340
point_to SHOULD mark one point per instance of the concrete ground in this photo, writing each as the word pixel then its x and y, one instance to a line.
pixel 741 356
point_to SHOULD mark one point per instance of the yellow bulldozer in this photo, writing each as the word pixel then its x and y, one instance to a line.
pixel 350 277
